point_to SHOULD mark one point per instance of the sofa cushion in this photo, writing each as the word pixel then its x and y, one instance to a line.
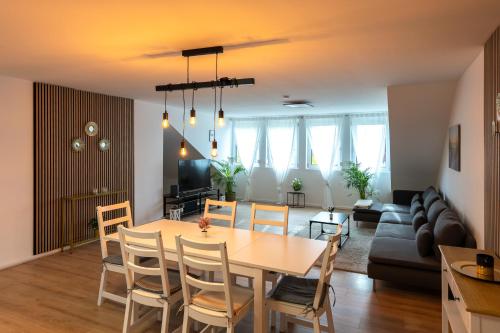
pixel 425 240
pixel 434 210
pixel 416 198
pixel 430 199
pixel 428 191
pixel 416 207
pixel 448 229
pixel 395 218
pixel 395 208
pixel 401 252
pixel 418 220
pixel 395 231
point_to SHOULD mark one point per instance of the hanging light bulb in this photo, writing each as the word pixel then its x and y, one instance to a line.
pixel 164 122
pixel 214 148
pixel 192 115
pixel 183 151
pixel 221 112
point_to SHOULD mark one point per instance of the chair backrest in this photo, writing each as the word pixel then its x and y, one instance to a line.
pixel 135 244
pixel 327 267
pixel 104 224
pixel 283 223
pixel 215 265
pixel 225 217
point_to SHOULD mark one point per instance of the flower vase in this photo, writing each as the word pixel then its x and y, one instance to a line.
pixel 331 216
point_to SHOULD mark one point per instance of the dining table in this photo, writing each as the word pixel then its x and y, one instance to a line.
pixel 250 253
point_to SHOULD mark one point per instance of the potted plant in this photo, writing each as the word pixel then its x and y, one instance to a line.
pixel 296 184
pixel 95 226
pixel 225 176
pixel 358 179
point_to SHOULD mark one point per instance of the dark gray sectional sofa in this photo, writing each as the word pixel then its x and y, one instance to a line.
pixel 404 249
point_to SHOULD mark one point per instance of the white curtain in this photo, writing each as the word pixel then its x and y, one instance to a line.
pixel 281 147
pixel 324 135
pixel 247 135
pixel 370 137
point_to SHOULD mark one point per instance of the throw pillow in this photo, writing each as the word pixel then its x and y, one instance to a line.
pixel 435 209
pixel 418 220
pixel 430 199
pixel 448 229
pixel 416 207
pixel 416 198
pixel 425 240
pixel 428 191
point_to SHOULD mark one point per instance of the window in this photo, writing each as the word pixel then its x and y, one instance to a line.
pixel 281 142
pixel 323 143
pixel 369 145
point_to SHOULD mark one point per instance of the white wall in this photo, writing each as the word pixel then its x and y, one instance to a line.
pixel 16 171
pixel 418 121
pixel 464 189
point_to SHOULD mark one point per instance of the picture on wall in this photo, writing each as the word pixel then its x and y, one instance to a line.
pixel 454 148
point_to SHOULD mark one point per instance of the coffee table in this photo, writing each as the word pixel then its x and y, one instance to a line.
pixel 337 218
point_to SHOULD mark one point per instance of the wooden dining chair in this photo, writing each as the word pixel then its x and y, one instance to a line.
pixel 111 263
pixel 303 301
pixel 216 304
pixel 157 286
pixel 224 217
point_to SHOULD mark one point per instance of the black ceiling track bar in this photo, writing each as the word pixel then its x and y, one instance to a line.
pixel 202 51
pixel 222 82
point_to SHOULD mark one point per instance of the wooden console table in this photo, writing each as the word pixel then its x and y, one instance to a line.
pixel 468 305
pixel 72 200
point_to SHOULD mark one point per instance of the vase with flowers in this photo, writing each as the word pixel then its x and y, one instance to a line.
pixel 296 184
pixel 330 210
pixel 204 224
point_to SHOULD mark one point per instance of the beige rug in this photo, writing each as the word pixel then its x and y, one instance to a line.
pixel 352 257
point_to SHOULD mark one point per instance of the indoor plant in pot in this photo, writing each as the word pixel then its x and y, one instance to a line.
pixel 296 184
pixel 225 176
pixel 357 178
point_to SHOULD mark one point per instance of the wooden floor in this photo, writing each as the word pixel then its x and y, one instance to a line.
pixel 58 293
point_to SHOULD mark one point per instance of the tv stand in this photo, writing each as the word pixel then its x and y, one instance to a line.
pixel 192 202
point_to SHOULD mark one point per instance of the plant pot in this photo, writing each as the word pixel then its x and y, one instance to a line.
pixel 297 188
pixel 230 196
pixel 331 216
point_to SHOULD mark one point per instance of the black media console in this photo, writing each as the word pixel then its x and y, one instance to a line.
pixel 192 202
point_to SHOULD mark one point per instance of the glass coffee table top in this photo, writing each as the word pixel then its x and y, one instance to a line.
pixel 324 217
pixel 336 219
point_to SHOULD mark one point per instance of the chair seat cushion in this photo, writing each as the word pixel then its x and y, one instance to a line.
pixel 216 301
pixel 395 231
pixel 396 218
pixel 153 284
pixel 396 208
pixel 114 260
pixel 296 290
pixel 401 252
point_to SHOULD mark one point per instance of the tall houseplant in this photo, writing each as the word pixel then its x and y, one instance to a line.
pixel 225 176
pixel 358 179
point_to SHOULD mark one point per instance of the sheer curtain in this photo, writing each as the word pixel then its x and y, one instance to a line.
pixel 281 144
pixel 324 138
pixel 370 138
pixel 247 136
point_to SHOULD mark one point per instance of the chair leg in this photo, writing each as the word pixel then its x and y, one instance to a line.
pixel 104 278
pixel 374 286
pixel 274 282
pixel 329 316
pixel 230 328
pixel 186 323
pixel 316 325
pixel 128 314
pixel 165 318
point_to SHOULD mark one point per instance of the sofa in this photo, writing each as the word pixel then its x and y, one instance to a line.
pixel 405 247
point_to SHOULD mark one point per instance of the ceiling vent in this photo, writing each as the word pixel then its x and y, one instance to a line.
pixel 298 104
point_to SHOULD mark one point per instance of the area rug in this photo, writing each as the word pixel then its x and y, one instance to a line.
pixel 352 257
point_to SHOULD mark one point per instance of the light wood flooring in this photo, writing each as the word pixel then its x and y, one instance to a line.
pixel 58 293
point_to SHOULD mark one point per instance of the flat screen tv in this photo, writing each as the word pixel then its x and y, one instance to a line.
pixel 194 175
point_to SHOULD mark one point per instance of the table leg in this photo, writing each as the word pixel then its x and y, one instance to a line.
pixel 260 321
pixel 310 224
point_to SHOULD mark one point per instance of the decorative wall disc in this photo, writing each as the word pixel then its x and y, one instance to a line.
pixel 78 145
pixel 91 128
pixel 104 144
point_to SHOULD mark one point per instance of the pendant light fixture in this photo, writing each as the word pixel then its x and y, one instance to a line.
pixel 164 122
pixel 221 112
pixel 183 150
pixel 213 151
pixel 192 115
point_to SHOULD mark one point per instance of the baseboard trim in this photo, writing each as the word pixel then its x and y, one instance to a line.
pixel 25 260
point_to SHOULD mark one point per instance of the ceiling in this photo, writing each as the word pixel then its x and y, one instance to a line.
pixel 341 55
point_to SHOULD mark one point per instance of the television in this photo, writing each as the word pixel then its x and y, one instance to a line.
pixel 194 175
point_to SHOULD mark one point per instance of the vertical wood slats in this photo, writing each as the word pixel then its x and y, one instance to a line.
pixel 492 143
pixel 60 115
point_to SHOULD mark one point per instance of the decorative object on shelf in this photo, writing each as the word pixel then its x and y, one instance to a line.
pixel 91 128
pixel 358 179
pixel 471 269
pixel 330 211
pixel 104 144
pixel 217 83
pixel 78 145
pixel 296 184
pixel 454 148
pixel 95 191
pixel 104 189
pixel 225 176
pixel 204 223
pixel 93 224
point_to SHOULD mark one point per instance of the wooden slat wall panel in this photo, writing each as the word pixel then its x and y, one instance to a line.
pixel 492 142
pixel 60 115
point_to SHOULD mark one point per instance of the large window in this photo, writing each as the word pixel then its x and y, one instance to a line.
pixel 369 142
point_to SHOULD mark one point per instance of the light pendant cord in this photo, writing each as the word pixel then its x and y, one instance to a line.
pixel 215 91
pixel 183 114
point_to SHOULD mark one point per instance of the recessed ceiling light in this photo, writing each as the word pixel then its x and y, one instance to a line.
pixel 301 103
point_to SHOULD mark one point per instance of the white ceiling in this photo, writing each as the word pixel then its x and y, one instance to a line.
pixel 341 55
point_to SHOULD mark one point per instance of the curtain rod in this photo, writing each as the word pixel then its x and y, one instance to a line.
pixel 339 115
